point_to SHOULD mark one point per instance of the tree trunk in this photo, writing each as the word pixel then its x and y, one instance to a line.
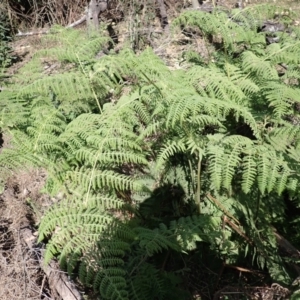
pixel 163 15
pixel 95 7
pixel 195 4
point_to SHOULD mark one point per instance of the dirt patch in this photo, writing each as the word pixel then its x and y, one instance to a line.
pixel 23 274
pixel 20 274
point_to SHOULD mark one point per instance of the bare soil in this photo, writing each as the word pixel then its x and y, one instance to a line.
pixel 21 276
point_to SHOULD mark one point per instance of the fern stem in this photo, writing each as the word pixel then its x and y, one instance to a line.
pixel 192 175
pixel 96 98
pixel 281 50
pixel 91 181
pixel 257 208
pixel 85 73
pixel 197 196
pixel 165 260
pixel 138 265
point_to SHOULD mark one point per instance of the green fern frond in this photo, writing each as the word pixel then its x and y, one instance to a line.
pixel 69 86
pixel 260 66
pixel 238 77
pixel 292 185
pixel 285 51
pixel 281 97
pixel 72 232
pixel 212 82
pixel 72 45
pixel 281 183
pixel 105 202
pixel 216 24
pixel 180 109
pixel 96 179
pixel 193 229
pixel 284 137
pixel 263 169
pixel 154 241
pixel 272 175
pixel 147 284
pixel 142 112
pixel 252 17
pixel 170 149
pixel 233 139
pixel 112 286
pixel 107 274
pixel 216 155
pixel 249 171
pixel 232 160
pixel 154 129
pixel 110 157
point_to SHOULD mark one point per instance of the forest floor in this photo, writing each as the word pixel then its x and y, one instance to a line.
pixel 21 276
pixel 22 203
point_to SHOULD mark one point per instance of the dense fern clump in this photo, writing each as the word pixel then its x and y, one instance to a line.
pixel 157 164
pixel 5 38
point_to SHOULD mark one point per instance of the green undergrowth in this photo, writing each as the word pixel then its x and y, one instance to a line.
pixel 5 37
pixel 166 174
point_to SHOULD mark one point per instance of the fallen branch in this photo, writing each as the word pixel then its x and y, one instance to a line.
pixel 76 23
pixel 20 33
pixel 286 246
pixel 240 269
pixel 72 25
pixel 57 279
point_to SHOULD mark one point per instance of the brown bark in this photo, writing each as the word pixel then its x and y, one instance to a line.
pixel 285 246
pixel 95 7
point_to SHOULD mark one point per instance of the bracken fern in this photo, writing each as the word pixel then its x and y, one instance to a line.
pixel 153 161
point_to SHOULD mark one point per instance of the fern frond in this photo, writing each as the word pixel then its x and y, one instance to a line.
pixel 110 157
pixel 213 83
pixel 216 24
pixel 147 284
pixel 283 137
pixel 272 176
pixel 238 77
pixel 71 231
pixel 282 179
pixel 260 66
pixel 72 45
pixel 281 97
pixel 216 155
pixel 67 86
pixel 107 273
pixel 263 169
pixel 232 160
pixel 192 229
pixel 170 149
pixel 253 17
pixel 97 179
pixel 249 171
pixel 286 51
pixel 154 241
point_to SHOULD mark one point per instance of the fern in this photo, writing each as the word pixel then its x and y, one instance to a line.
pixel 140 150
